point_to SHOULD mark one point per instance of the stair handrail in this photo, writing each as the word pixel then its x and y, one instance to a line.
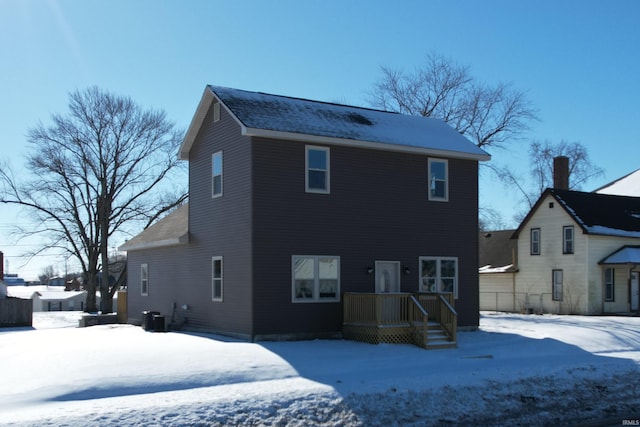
pixel 424 323
pixel 450 326
pixel 420 307
pixel 449 306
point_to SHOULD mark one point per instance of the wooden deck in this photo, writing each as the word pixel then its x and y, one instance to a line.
pixel 427 320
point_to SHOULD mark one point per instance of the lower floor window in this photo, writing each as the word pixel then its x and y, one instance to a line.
pixel 556 287
pixel 315 278
pixel 439 274
pixel 216 278
pixel 609 284
pixel 144 279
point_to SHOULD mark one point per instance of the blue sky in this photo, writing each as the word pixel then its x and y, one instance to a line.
pixel 578 61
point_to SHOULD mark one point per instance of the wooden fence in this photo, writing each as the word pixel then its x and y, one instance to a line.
pixel 16 312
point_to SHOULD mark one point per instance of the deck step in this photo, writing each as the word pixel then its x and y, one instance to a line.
pixel 437 339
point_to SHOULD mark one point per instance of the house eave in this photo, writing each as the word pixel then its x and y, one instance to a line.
pixel 318 139
pixel 201 113
pixel 182 240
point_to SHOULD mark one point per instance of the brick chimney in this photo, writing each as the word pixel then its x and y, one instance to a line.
pixel 561 173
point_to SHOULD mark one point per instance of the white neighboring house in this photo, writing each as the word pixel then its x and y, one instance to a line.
pixel 497 272
pixel 628 185
pixel 51 298
pixel 579 253
pixel 59 301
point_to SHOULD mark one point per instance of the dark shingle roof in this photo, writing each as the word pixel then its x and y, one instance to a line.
pixel 497 249
pixel 276 116
pixel 596 213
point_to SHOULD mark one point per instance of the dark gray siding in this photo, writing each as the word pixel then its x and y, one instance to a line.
pixel 221 226
pixel 168 272
pixel 377 210
pixel 217 227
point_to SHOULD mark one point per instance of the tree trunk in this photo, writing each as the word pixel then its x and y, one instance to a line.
pixel 90 287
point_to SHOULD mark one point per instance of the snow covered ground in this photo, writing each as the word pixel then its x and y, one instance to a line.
pixel 517 370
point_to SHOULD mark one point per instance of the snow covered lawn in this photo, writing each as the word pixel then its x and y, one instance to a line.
pixel 527 370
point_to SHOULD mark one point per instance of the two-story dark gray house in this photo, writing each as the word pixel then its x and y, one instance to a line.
pixel 295 205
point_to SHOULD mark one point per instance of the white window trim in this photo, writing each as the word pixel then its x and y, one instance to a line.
pixel 213 186
pixel 446 180
pixel 554 285
pixel 565 240
pixel 316 280
pixel 144 267
pixel 213 279
pixel 539 232
pixel 307 169
pixel 438 260
pixel 612 283
pixel 216 112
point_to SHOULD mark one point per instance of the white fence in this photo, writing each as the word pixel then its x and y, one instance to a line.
pixel 518 302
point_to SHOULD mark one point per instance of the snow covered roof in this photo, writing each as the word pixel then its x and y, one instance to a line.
pixel 58 296
pixel 281 117
pixel 170 230
pixel 502 269
pixel 628 185
pixel 624 255
pixel 497 251
pixel 595 213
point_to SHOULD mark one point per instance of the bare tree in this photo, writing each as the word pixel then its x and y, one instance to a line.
pixel 103 167
pixel 491 116
pixel 581 168
pixel 47 274
pixel 541 154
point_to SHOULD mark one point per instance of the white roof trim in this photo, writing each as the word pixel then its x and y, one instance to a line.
pixel 198 118
pixel 318 139
pixel 208 98
pixel 155 244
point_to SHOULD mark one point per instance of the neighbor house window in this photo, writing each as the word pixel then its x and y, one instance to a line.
pixel 567 239
pixel 609 284
pixel 535 241
pixel 144 279
pixel 556 287
pixel 315 278
pixel 216 278
pixel 317 169
pixel 216 180
pixel 439 274
pixel 438 180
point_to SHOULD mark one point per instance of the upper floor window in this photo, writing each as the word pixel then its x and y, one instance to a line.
pixel 316 278
pixel 535 241
pixel 216 112
pixel 216 179
pixel 438 180
pixel 567 239
pixel 556 286
pixel 216 278
pixel 609 284
pixel 144 279
pixel 317 169
pixel 439 274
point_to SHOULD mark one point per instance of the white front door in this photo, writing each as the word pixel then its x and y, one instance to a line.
pixel 635 291
pixel 387 276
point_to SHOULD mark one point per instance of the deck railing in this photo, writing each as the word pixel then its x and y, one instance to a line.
pixel 397 317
